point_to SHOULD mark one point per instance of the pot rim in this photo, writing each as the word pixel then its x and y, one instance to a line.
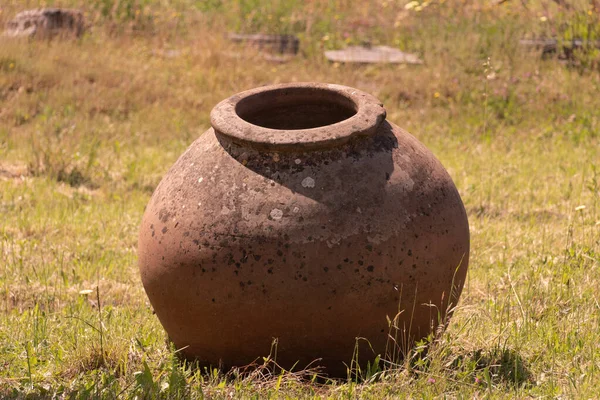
pixel 369 114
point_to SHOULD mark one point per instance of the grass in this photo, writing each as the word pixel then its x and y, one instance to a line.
pixel 87 129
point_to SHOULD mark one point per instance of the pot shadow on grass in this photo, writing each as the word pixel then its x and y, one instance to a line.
pixel 491 366
pixel 504 365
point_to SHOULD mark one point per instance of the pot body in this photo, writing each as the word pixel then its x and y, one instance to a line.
pixel 241 246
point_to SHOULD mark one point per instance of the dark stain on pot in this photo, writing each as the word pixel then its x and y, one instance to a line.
pixel 164 215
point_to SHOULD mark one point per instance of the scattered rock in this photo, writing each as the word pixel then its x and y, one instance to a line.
pixel 372 55
pixel 269 57
pixel 283 44
pixel 549 44
pixel 277 59
pixel 564 48
pixel 13 171
pixel 46 23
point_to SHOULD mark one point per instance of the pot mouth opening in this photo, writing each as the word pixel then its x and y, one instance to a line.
pixel 296 108
pixel 297 116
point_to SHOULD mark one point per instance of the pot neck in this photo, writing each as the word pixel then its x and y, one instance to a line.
pixel 297 117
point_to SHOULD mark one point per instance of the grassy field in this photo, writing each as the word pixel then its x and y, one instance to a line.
pixel 88 127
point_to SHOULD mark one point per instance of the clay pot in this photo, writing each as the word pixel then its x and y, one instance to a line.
pixel 303 215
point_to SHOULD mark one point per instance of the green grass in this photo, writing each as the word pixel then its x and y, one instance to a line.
pixel 87 129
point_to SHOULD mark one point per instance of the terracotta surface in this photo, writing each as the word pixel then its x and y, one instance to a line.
pixel 302 215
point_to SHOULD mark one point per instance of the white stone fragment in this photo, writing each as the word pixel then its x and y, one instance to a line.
pixel 276 214
pixel 308 182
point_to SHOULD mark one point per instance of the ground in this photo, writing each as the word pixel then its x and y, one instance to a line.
pixel 89 126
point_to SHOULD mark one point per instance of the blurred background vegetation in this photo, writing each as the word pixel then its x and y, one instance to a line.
pixel 88 127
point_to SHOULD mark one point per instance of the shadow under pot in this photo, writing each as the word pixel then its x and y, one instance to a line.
pixel 303 216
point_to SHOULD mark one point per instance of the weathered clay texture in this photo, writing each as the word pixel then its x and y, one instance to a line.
pixel 314 233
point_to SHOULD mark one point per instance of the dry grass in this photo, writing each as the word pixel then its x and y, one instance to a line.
pixel 88 127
